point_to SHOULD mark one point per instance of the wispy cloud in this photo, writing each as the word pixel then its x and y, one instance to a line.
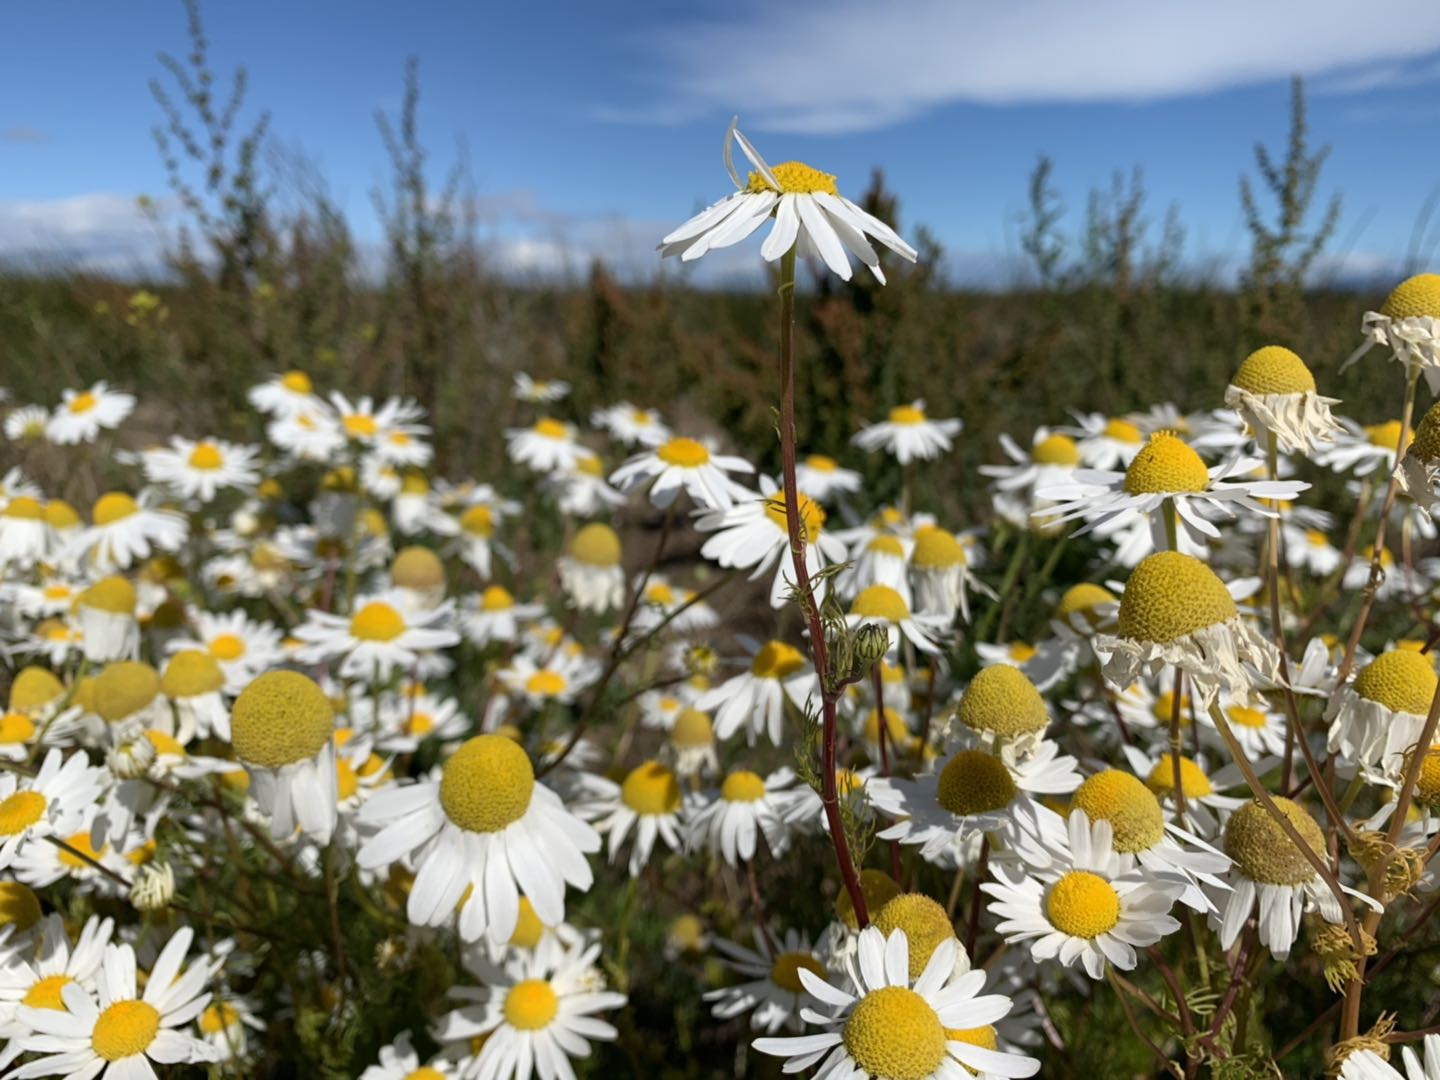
pixel 100 232
pixel 23 133
pixel 829 66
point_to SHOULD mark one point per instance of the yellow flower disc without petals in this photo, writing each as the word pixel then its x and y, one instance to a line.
pixel 282 717
pixel 596 545
pixel 1083 905
pixel 880 602
pixel 123 688
pixel 878 888
pixel 125 1029
pixel 191 673
pixel 1400 680
pixel 1002 700
pixel 33 689
pixel 785 971
pixel 925 924
pixel 1263 851
pixel 894 1033
pixel 1274 369
pixel 1170 595
pixel 1418 295
pixel 1166 464
pixel 487 784
pixel 1130 807
pixel 974 782
pixel 1082 599
pixel 531 1005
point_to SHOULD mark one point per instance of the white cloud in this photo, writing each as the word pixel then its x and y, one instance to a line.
pixel 100 232
pixel 829 66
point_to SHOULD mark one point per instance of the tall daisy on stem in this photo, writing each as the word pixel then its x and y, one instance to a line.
pixel 810 216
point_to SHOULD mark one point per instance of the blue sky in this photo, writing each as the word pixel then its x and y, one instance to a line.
pixel 594 127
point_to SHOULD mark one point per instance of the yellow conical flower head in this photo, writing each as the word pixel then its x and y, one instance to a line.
pixel 1083 599
pixel 282 717
pixel 487 784
pixel 651 789
pixel 1274 370
pixel 878 888
pixel 417 568
pixel 692 728
pixel 113 595
pixel 596 545
pixel 795 178
pixel 812 514
pixel 1427 784
pixel 925 924
pixel 60 515
pixel 1426 442
pixel 1002 700
pixel 892 1032
pixel 1194 784
pixel 1418 295
pixel 974 782
pixel 1401 680
pixel 1130 807
pixel 191 673
pixel 1262 849
pixel 124 687
pixel 937 549
pixel 22 507
pixel 19 906
pixel 880 602
pixel 1055 450
pixel 1166 464
pixel 33 689
pixel 785 971
pixel 1170 595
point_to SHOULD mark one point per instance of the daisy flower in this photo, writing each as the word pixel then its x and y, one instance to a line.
pixel 1105 441
pixel 559 678
pixel 399 1061
pixel 242 646
pixel 285 395
pixel 881 561
pixel 1419 469
pixel 747 807
pixel 755 699
pixel 410 718
pixel 934 1027
pixel 1378 716
pixel 1274 393
pixel 1408 324
pixel 308 434
pixel 547 446
pixel 590 569
pixel 494 615
pixel 478 836
pixel 384 633
pixel 771 991
pixel 684 464
pixel 883 605
pixel 1084 906
pixel 1362 450
pixel 534 1014
pixel 26 424
pixel 538 391
pixel 940 573
pixel 1051 460
pixel 755 533
pixel 908 434
pixel 56 802
pixel 281 727
pixel 38 978
pixel 123 532
pixel 648 801
pixel 824 478
pixel 361 422
pixel 82 414
pixel 810 215
pixel 1176 611
pixel 631 426
pixel 198 470
pixel 582 491
pixel 1260 730
pixel 1368 1065
pixel 474 540
pixel 193 681
pixel 225 1026
pixel 1310 549
pixel 25 539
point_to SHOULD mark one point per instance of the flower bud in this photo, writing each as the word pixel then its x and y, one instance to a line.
pixel 153 887
pixel 701 660
pixel 131 758
pixel 872 642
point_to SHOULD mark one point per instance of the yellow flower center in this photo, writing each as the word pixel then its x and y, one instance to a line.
pixel 1082 599
pixel 33 689
pixel 206 457
pixel 1401 680
pixel 1166 464
pixel 114 595
pixel 692 729
pixel 551 429
pixel 925 924
pixel 1418 295
pixel 360 426
pixel 812 517
pixel 742 786
pixel 191 673
pixel 1194 784
pixel 21 810
pixel 893 1033
pixel 683 453
pixel 1170 595
pixel 1123 431
pixel 19 906
pixel 936 549
pixel 596 545
pixel 282 717
pixel 1240 716
pixel 377 621
pixel 227 647
pixel 821 463
pixel 123 688
pixel 785 971
pixel 297 382
pixel 776 660
pixel 125 1029
pixel 880 602
pixel 659 593
pixel 1055 450
pixel 983 1037
pixel 1426 444
pixel 496 598
pixel 1274 370
pixel 81 843
pixel 417 568
pixel 1001 699
pixel 1130 807
pixel 651 788
pixel 794 178
pixel 478 521
pixel 1164 708
pixel 112 507
pixel 1083 905
pixel 878 888
pixel 425 1072
pixel 487 784
pixel 545 683
pixel 907 415
pixel 217 1018
pixel 687 932
pixel 590 466
pixel 528 927
pixel 1386 435
pixel 1263 851
pixel 15 728
pixel 24 508
pixel 974 782
pixel 45 994
pixel 83 403
pixel 164 744
pixel 531 1005
pixel 1020 651
pixel 895 730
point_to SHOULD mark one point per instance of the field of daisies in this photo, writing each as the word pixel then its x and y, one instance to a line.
pixel 630 758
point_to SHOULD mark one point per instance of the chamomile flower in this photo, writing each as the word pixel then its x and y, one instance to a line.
pixel 810 215
pixel 590 570
pixel 495 615
pixel 535 1014
pixel 559 678
pixel 37 976
pixel 1310 549
pixel 684 464
pixel 83 414
pixel 940 574
pixel 1419 470
pixel 755 699
pixel 25 539
pixel 1362 450
pixel 26 424
pixel 124 531
pixel 547 446
pixel 226 1026
pixel 908 434
pixel 538 391
pixel 312 433
pixel 199 470
pixel 478 836
pixel 285 395
pixel 399 1061
pixel 1051 460
pixel 885 606
pixel 1408 324
pixel 1379 715
pixel 281 727
pixel 1105 442
pixel 1176 611
pixel 1260 730
pixel 825 479
pixel 116 1034
pixel 770 990
pixel 383 633
pixel 1084 905
pixel 630 425
pixel 648 801
pixel 1368 1065
pixel 242 646
pixel 747 807
pixel 55 802
pixel 582 491
pixel 934 1027
pixel 193 681
pixel 755 533
pixel 1274 393
pixel 364 424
